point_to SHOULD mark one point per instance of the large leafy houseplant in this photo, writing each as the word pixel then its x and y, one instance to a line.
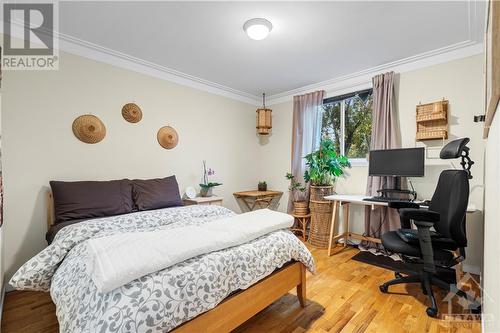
pixel 325 165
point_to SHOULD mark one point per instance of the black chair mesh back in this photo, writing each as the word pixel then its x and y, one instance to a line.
pixel 450 200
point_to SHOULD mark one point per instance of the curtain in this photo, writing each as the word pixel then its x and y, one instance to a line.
pixel 385 135
pixel 306 129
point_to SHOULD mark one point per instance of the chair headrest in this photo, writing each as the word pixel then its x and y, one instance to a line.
pixel 454 149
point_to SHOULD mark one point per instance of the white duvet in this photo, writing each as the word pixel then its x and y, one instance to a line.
pixel 118 259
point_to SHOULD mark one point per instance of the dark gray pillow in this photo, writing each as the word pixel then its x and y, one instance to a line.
pixel 156 193
pixel 91 199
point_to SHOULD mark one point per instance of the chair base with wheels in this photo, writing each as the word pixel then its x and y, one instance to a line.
pixel 426 281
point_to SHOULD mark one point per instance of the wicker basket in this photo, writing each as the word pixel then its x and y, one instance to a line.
pixel 432 111
pixel 432 134
pixel 432 121
pixel 300 208
pixel 321 215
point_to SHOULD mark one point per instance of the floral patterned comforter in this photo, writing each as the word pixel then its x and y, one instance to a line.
pixel 160 301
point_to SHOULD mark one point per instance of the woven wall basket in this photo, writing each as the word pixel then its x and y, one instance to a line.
pixel 132 113
pixel 89 129
pixel 167 137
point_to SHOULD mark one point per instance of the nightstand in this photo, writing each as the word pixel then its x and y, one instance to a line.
pixel 213 200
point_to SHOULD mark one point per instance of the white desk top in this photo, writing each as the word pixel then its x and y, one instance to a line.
pixel 358 199
pixel 354 198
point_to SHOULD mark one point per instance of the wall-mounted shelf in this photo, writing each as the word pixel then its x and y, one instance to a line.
pixel 432 121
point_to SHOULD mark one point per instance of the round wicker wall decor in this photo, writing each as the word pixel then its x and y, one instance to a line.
pixel 167 137
pixel 89 129
pixel 132 113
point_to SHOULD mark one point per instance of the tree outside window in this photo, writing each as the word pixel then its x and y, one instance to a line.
pixel 347 120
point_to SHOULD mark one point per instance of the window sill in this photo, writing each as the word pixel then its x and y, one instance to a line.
pixel 359 162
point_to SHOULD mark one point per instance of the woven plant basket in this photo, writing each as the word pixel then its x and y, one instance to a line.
pixel 321 215
pixel 301 208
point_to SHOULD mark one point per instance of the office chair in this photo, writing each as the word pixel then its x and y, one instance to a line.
pixel 446 215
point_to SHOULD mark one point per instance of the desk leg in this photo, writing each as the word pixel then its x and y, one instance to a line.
pixel 345 210
pixel 252 208
pixel 332 226
pixel 246 204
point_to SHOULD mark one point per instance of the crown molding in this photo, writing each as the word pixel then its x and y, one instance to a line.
pixel 335 86
pixel 93 51
pixel 362 79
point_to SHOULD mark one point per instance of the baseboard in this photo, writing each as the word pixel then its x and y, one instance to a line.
pixel 471 269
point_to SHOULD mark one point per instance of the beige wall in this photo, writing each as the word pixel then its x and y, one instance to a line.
pixel 459 81
pixel 38 144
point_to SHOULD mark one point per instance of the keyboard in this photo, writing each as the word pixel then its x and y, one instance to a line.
pixel 383 199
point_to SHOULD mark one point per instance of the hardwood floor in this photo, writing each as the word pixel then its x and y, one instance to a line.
pixel 342 297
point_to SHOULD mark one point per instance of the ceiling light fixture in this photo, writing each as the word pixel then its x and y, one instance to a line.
pixel 257 28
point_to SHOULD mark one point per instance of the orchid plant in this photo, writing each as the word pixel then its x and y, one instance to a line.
pixel 207 185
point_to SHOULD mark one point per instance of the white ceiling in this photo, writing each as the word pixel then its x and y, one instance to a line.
pixel 311 41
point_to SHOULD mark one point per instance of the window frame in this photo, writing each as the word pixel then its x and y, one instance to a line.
pixel 341 98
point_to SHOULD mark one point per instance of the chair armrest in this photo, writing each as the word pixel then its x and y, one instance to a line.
pixel 424 220
pixel 419 215
pixel 399 204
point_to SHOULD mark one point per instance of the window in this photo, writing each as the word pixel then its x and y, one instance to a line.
pixel 347 120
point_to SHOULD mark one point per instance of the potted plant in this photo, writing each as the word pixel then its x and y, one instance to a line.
pixel 298 193
pixel 262 186
pixel 207 186
pixel 324 166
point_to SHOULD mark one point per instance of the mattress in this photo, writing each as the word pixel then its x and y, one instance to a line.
pixel 160 301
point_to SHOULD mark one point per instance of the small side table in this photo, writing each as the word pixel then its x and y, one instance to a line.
pixel 303 220
pixel 252 200
pixel 213 200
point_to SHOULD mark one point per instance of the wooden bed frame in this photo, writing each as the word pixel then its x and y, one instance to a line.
pixel 241 306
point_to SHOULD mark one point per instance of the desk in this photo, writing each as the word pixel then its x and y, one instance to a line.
pixel 251 200
pixel 345 200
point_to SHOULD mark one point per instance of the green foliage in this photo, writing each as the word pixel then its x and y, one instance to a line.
pixel 296 188
pixel 325 164
pixel 358 125
pixel 209 185
pixel 262 183
pixel 294 185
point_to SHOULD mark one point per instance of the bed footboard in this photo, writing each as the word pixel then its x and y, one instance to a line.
pixel 240 307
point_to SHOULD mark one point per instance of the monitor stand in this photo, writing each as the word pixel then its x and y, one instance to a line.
pixel 397 193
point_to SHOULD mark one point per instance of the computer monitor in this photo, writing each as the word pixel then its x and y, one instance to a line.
pixel 407 162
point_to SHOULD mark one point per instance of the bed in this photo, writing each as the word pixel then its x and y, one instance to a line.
pixel 212 292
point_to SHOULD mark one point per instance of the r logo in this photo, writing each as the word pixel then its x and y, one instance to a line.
pixel 44 31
